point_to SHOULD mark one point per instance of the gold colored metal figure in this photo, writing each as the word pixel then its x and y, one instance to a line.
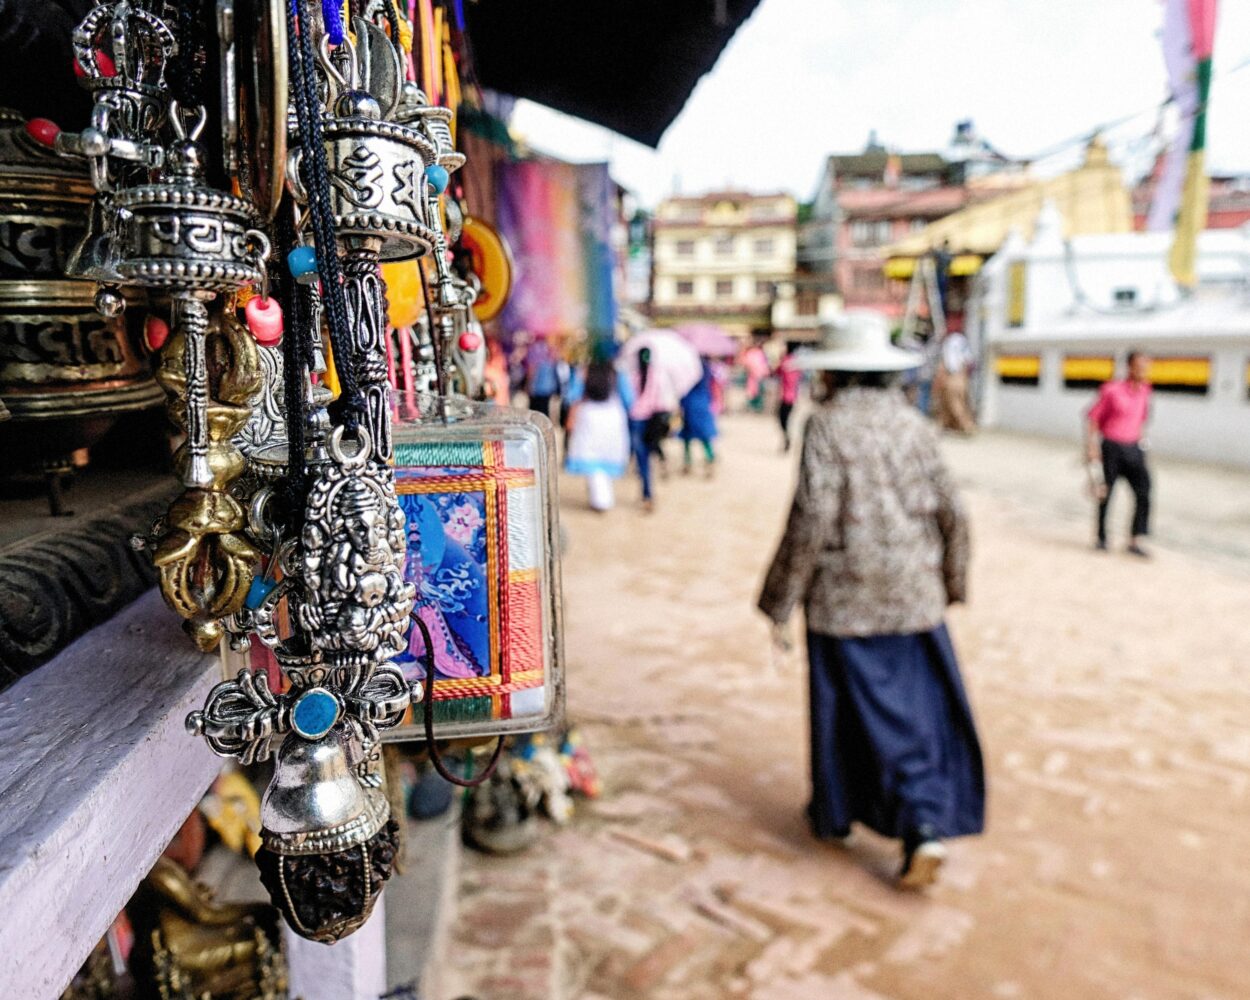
pixel 204 559
pixel 200 948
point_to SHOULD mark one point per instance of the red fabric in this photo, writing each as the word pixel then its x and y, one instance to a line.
pixel 1202 27
pixel 525 625
pixel 1121 410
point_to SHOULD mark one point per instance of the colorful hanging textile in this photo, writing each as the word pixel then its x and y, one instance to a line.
pixel 557 219
pixel 1180 199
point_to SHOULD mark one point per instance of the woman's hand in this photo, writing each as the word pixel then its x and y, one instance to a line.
pixel 782 636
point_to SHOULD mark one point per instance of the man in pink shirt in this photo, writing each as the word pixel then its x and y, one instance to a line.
pixel 1117 418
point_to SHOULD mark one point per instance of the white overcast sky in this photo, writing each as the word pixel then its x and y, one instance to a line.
pixel 803 78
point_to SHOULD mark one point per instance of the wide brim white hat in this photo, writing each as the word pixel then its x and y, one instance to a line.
pixel 857 341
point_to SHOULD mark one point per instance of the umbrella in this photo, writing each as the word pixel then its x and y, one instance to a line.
pixel 709 340
pixel 673 371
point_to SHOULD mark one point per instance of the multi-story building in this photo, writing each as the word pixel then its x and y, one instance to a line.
pixel 718 257
pixel 1228 198
pixel 866 201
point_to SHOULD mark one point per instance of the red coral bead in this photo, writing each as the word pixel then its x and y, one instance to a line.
pixel 155 332
pixel 43 131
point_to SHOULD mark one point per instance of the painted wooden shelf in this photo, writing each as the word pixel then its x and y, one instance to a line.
pixel 96 775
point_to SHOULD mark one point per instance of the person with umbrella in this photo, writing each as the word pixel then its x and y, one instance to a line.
pixel 662 369
pixel 876 547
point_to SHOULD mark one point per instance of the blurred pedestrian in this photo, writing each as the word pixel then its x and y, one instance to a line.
pixel 1113 435
pixel 599 442
pixel 542 376
pixel 698 423
pixel 951 385
pixel 875 548
pixel 755 363
pixel 789 375
pixel 649 423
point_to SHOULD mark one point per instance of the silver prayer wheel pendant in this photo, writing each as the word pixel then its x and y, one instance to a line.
pixel 376 168
pixel 415 110
pixel 182 234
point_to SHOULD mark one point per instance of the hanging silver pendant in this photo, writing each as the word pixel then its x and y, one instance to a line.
pixel 356 602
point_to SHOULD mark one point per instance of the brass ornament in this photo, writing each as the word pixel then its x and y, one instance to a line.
pixel 202 552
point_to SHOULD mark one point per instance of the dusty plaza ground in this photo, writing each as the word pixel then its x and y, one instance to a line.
pixel 1113 698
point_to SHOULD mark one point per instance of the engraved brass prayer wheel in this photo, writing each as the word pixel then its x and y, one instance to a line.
pixel 44 203
pixel 66 372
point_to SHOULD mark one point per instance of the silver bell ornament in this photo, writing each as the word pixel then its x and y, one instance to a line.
pixel 329 844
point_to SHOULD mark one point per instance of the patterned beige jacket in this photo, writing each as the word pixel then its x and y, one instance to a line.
pixel 876 543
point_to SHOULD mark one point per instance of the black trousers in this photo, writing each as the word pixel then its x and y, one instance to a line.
pixel 541 404
pixel 1129 461
pixel 783 415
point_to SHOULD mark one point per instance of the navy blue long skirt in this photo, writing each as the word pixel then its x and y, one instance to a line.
pixel 893 742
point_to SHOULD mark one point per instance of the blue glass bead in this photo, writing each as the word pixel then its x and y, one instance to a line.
pixel 437 177
pixel 315 713
pixel 302 263
pixel 258 591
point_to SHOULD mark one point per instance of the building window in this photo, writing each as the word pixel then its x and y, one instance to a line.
pixel 761 212
pixel 724 246
pixel 685 288
pixel 685 248
pixel 724 288
pixel 763 289
pixel 765 247
pixel 1019 369
pixel 1125 297
pixel 868 279
pixel 1083 371
pixel 1189 376
pixel 918 224
pixel 868 233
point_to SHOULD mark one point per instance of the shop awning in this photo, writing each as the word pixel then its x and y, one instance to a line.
pixel 629 66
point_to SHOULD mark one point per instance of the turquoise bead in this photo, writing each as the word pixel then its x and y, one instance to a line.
pixel 437 177
pixel 302 263
pixel 258 591
pixel 315 713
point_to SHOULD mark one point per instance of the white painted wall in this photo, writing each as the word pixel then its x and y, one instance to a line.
pixel 1210 428
pixel 1070 310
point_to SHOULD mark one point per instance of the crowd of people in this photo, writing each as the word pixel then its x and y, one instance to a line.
pixel 622 409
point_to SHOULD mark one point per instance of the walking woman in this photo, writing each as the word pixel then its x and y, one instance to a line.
pixel 599 436
pixel 698 422
pixel 875 548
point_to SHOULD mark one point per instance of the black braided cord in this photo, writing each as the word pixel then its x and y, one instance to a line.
pixel 320 210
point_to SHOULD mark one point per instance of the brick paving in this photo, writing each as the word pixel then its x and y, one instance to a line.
pixel 1114 704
